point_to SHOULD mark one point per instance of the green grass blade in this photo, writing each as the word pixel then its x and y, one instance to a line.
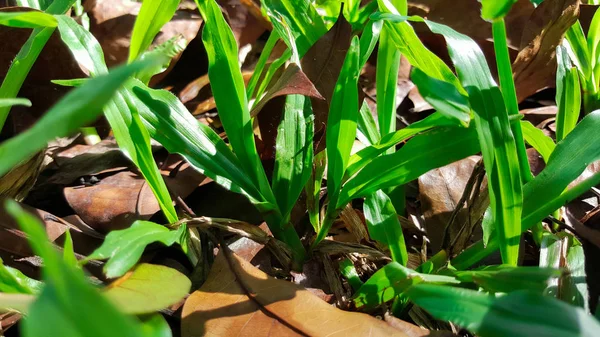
pixel 76 109
pixel 7 102
pixel 509 93
pixel 366 155
pixel 443 96
pixel 169 49
pixel 261 63
pixel 341 130
pixel 568 94
pixel 313 189
pixel 388 65
pixel 36 4
pixel 294 152
pixel 593 40
pixel 368 40
pixel 496 140
pixel 538 140
pixel 520 313
pixel 578 50
pixel 420 155
pixel 121 112
pixel 228 89
pixel 152 16
pixel 384 226
pixel 493 10
pixel 67 299
pixel 504 279
pixel 27 20
pixel 367 132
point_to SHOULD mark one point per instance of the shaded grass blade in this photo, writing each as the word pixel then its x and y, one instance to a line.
pixel 568 94
pixel 384 226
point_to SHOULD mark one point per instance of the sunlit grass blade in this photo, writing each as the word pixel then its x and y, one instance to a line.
pixel 538 140
pixel 66 299
pixel 505 279
pixel 421 154
pixel 388 65
pixel 568 94
pixel 546 192
pixel 169 50
pixel 261 63
pixel 368 40
pixel 7 102
pixel 152 16
pixel 121 112
pixel 341 130
pixel 294 152
pixel 367 131
pixel 27 20
pixel 384 226
pixel 519 313
pixel 593 40
pixel 36 4
pixel 76 109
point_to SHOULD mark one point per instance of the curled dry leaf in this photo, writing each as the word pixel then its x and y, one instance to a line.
pixel 534 68
pixel 440 192
pixel 240 300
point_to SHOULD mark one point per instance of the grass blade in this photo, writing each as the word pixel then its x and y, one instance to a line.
pixel 27 20
pixel 76 109
pixel 152 16
pixel 384 226
pixel 493 10
pixel 538 140
pixel 7 102
pixel 568 94
pixel 367 128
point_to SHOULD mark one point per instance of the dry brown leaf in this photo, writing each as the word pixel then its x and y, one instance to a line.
pixel 265 306
pixel 535 66
pixel 440 191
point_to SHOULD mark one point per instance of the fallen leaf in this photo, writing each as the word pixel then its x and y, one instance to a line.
pixel 244 301
pixel 534 68
pixel 148 288
pixel 322 64
pixel 440 192
pixel 292 82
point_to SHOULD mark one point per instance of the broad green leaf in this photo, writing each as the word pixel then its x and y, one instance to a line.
pixel 443 96
pixel 366 155
pixel 517 314
pixel 78 108
pixel 341 131
pixel 14 281
pixel 170 123
pixel 495 137
pixel 384 226
pixel 294 152
pixel 538 140
pixel 123 248
pixel 27 19
pixel 504 279
pixel 367 131
pixel 391 281
pixel 152 16
pixel 7 102
pixel 228 89
pixel 493 10
pixel 121 112
pixel 67 300
pixel 568 94
pixel 147 288
pixel 421 154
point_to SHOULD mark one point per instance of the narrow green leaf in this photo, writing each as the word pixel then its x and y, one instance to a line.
pixel 517 314
pixel 261 63
pixel 123 248
pixel 384 226
pixel 76 109
pixel 7 102
pixel 169 50
pixel 13 281
pixel 578 50
pixel 83 45
pixel 538 140
pixel 367 132
pixel 67 300
pixel 493 10
pixel 148 288
pixel 420 155
pixel 368 40
pixel 313 189
pixel 68 250
pixel 568 94
pixel 36 4
pixel 443 96
pixel 388 65
pixel 294 152
pixel 27 19
pixel 391 281
pixel 152 16
pixel 506 279
pixel 349 272
pixel 593 41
